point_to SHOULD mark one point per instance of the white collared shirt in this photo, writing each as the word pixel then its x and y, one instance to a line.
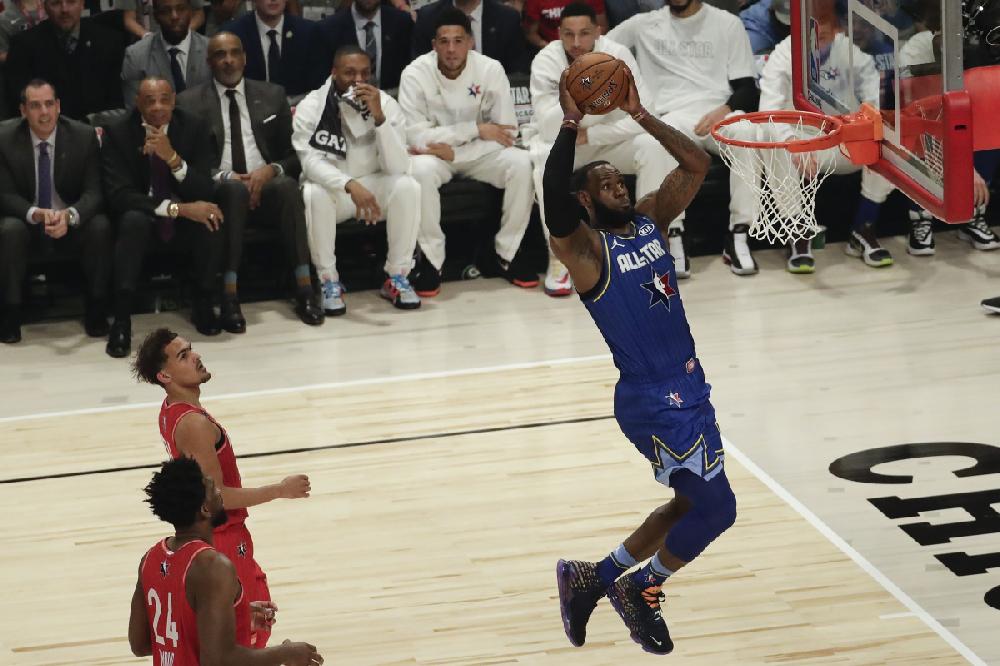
pixel 476 18
pixel 57 202
pixel 265 41
pixel 359 27
pixel 254 159
pixel 183 48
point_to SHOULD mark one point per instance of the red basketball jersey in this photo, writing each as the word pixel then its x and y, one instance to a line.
pixel 170 416
pixel 172 621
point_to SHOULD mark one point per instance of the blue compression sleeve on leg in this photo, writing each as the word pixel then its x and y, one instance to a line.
pixel 712 512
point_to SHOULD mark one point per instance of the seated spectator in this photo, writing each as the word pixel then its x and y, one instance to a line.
pixel 157 177
pixel 220 12
pixel 351 140
pixel 460 121
pixel 696 60
pixel 139 20
pixel 50 195
pixel 18 16
pixel 614 137
pixel 496 31
pixel 175 53
pixel 541 20
pixel 255 170
pixel 282 48
pixel 776 94
pixel 82 59
pixel 380 30
pixel 766 23
pixel 620 10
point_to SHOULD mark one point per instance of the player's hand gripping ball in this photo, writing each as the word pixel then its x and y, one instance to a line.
pixel 597 82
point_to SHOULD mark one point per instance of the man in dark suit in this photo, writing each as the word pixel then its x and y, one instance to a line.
pixel 255 169
pixel 282 48
pixel 50 195
pixel 387 40
pixel 81 58
pixel 496 28
pixel 157 177
pixel 176 52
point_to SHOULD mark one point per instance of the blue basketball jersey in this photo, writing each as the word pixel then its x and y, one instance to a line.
pixel 638 309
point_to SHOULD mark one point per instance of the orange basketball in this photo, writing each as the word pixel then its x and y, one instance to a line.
pixel 597 82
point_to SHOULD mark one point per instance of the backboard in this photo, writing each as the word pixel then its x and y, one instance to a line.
pixel 904 57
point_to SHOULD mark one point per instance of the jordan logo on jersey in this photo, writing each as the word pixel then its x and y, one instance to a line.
pixel 659 289
pixel 241 549
pixel 164 568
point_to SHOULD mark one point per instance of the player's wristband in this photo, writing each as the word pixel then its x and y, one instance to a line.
pixel 572 120
pixel 640 115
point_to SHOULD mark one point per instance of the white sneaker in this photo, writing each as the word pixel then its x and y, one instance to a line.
pixel 557 279
pixel 675 243
pixel 737 251
pixel 333 298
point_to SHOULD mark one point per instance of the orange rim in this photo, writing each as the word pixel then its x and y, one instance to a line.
pixel 831 126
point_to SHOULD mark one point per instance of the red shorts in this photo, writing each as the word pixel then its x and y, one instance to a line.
pixel 234 541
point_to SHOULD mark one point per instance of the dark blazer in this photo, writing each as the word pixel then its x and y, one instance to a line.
pixel 305 58
pixel 270 121
pixel 126 169
pixel 87 80
pixel 76 170
pixel 397 34
pixel 503 38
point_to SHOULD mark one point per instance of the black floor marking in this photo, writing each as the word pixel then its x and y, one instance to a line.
pixel 327 447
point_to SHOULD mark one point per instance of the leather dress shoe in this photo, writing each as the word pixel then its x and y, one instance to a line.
pixel 95 321
pixel 307 310
pixel 232 317
pixel 204 318
pixel 10 326
pixel 119 339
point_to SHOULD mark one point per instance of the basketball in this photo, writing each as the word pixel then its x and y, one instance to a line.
pixel 597 82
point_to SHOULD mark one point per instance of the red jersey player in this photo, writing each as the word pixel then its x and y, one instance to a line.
pixel 187 429
pixel 189 607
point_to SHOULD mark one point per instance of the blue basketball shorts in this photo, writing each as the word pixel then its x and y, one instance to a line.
pixel 673 425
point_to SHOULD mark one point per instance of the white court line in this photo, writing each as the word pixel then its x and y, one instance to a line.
pixel 324 385
pixel 730 449
pixel 858 558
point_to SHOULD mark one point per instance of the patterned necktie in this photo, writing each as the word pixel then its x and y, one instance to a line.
pixel 70 44
pixel 176 71
pixel 159 184
pixel 44 176
pixel 371 48
pixel 273 56
pixel 239 156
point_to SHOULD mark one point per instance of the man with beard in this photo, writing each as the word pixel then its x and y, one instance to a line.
pixel 613 137
pixel 176 53
pixel 618 258
pixel 188 600
pixel 167 360
pixel 697 59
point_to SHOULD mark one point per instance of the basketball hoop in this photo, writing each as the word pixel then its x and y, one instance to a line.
pixel 789 158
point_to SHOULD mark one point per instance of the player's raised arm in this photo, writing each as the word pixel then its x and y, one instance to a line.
pixel 212 587
pixel 572 240
pixel 681 185
pixel 138 622
pixel 196 436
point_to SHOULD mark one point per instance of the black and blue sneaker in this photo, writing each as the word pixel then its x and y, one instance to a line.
pixel 579 591
pixel 640 610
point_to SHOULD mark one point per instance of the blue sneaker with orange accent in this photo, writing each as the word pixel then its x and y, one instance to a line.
pixel 397 290
pixel 579 591
pixel 640 610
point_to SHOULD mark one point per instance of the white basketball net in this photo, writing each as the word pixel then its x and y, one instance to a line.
pixel 785 183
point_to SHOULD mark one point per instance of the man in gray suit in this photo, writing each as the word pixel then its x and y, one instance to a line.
pixel 256 170
pixel 176 53
pixel 51 197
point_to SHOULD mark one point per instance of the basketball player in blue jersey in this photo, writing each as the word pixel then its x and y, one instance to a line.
pixel 617 256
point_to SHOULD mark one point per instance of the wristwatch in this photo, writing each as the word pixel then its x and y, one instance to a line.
pixel 173 209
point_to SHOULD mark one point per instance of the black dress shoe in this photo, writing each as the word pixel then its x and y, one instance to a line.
pixel 204 318
pixel 10 326
pixel 95 321
pixel 120 339
pixel 307 310
pixel 232 317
